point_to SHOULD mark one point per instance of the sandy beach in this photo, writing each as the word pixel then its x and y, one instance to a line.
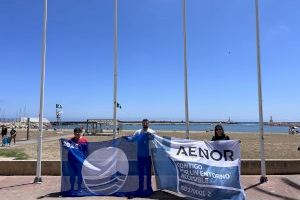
pixel 277 146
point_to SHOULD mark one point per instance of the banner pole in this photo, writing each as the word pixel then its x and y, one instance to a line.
pixel 38 178
pixel 115 68
pixel 187 124
pixel 263 177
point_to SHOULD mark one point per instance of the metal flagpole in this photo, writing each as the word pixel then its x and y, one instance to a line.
pixel 115 68
pixel 56 112
pixel 187 134
pixel 38 178
pixel 263 177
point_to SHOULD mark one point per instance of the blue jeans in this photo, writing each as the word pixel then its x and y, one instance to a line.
pixel 4 140
pixel 76 167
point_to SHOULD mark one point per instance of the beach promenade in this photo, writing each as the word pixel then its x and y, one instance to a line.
pixel 22 188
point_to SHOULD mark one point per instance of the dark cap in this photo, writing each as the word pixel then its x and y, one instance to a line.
pixel 77 130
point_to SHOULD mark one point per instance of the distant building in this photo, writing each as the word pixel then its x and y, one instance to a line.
pixel 271 121
pixel 229 120
pixel 33 120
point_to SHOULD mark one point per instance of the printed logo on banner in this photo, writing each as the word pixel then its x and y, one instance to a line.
pixel 112 172
pixel 194 178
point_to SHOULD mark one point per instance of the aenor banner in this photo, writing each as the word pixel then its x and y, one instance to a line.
pixel 198 169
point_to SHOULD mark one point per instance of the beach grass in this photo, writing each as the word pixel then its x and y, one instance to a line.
pixel 16 154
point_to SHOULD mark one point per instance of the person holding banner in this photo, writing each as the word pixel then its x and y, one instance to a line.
pixel 76 156
pixel 142 138
pixel 219 134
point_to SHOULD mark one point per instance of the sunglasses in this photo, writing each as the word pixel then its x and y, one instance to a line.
pixel 219 129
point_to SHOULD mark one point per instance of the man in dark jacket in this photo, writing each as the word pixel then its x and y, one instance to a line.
pixel 4 135
pixel 13 134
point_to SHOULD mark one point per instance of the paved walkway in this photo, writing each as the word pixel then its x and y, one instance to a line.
pixel 21 188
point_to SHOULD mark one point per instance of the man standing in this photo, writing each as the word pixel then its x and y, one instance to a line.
pixel 76 156
pixel 4 135
pixel 13 134
pixel 142 138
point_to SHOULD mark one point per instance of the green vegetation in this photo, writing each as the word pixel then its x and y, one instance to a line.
pixel 17 154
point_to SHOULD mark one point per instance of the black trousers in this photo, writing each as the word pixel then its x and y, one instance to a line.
pixel 144 165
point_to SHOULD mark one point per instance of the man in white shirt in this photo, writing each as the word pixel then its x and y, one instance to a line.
pixel 142 138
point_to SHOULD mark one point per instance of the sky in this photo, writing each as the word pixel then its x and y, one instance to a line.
pixel 221 57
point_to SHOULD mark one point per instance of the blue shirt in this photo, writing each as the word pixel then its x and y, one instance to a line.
pixel 142 138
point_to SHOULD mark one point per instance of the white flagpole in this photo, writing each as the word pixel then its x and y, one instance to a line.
pixel 263 177
pixel 187 133
pixel 38 178
pixel 115 68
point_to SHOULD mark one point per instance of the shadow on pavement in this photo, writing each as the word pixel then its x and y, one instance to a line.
pixel 54 194
pixel 164 195
pixel 252 186
pixel 12 186
pixel 160 195
pixel 291 183
pixel 274 195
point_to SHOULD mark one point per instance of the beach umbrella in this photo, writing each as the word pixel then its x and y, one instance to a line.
pixel 186 101
pixel 38 178
pixel 115 68
pixel 263 177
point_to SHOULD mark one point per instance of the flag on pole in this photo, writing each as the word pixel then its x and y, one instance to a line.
pixel 58 106
pixel 59 113
pixel 119 105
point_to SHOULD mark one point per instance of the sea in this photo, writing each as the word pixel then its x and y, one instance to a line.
pixel 236 127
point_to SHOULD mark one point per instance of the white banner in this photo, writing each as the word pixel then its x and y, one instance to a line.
pixel 198 169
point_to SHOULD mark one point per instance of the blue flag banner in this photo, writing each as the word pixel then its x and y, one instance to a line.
pixel 99 168
pixel 198 169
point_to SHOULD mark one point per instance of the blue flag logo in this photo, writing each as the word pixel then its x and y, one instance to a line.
pixel 112 173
